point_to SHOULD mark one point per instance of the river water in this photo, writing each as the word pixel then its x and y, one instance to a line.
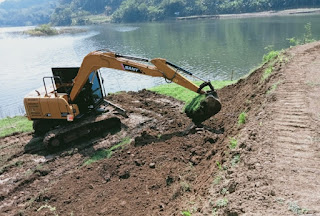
pixel 211 49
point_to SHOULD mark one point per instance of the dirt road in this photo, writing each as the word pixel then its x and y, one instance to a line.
pixel 268 165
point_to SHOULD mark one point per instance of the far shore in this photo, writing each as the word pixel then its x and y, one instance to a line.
pixel 300 11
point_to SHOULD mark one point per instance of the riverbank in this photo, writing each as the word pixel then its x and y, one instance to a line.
pixel 300 11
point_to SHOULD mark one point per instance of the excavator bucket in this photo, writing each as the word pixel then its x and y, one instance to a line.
pixel 203 107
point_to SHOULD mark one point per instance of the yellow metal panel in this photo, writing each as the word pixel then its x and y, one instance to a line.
pixel 54 108
pixel 63 105
pixel 45 107
pixel 33 108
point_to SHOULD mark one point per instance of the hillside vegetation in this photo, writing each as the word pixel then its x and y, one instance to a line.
pixel 26 12
pixel 82 12
pixel 77 11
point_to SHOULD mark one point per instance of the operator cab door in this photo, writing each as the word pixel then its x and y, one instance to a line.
pixel 96 87
pixel 91 94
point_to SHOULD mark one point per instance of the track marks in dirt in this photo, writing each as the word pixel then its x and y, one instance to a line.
pixel 296 165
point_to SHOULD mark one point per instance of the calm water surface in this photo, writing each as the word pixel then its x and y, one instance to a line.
pixel 211 49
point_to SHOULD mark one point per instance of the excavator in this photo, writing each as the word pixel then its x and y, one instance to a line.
pixel 75 105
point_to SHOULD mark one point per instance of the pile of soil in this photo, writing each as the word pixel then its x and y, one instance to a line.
pixel 170 167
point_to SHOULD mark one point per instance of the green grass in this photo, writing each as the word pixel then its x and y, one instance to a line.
pixel 106 153
pixel 15 124
pixel 192 99
pixel 183 94
pixel 185 213
pixel 242 118
pixel 222 203
pixel 194 104
pixel 270 56
pixel 273 87
pixel 233 143
pixel 219 165
pixel 267 72
pixel 295 208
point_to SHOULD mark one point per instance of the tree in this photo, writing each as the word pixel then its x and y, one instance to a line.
pixel 61 17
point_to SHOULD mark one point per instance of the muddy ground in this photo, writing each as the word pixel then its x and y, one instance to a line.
pixel 168 168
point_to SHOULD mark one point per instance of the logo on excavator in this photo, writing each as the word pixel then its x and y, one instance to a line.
pixel 130 68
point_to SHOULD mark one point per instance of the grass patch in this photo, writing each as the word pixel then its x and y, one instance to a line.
pixel 186 213
pixel 295 208
pixel 267 72
pixel 183 94
pixel 273 87
pixel 222 203
pixel 42 30
pixel 192 100
pixel 224 191
pixel 270 56
pixel 233 143
pixel 235 160
pixel 15 124
pixel 242 118
pixel 219 165
pixel 194 104
pixel 106 153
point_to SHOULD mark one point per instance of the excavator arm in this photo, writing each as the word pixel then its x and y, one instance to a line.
pixel 157 67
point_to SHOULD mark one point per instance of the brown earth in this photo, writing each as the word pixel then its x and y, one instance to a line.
pixel 168 167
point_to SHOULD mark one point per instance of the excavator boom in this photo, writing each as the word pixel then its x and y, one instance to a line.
pixel 158 68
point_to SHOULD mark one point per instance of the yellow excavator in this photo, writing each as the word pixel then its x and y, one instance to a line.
pixel 68 108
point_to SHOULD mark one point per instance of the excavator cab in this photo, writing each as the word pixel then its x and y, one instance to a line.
pixel 92 94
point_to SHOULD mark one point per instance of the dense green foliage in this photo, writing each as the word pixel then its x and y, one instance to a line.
pixel 26 12
pixel 77 12
pixel 150 10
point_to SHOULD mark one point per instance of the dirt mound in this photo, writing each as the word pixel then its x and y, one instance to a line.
pixel 224 167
